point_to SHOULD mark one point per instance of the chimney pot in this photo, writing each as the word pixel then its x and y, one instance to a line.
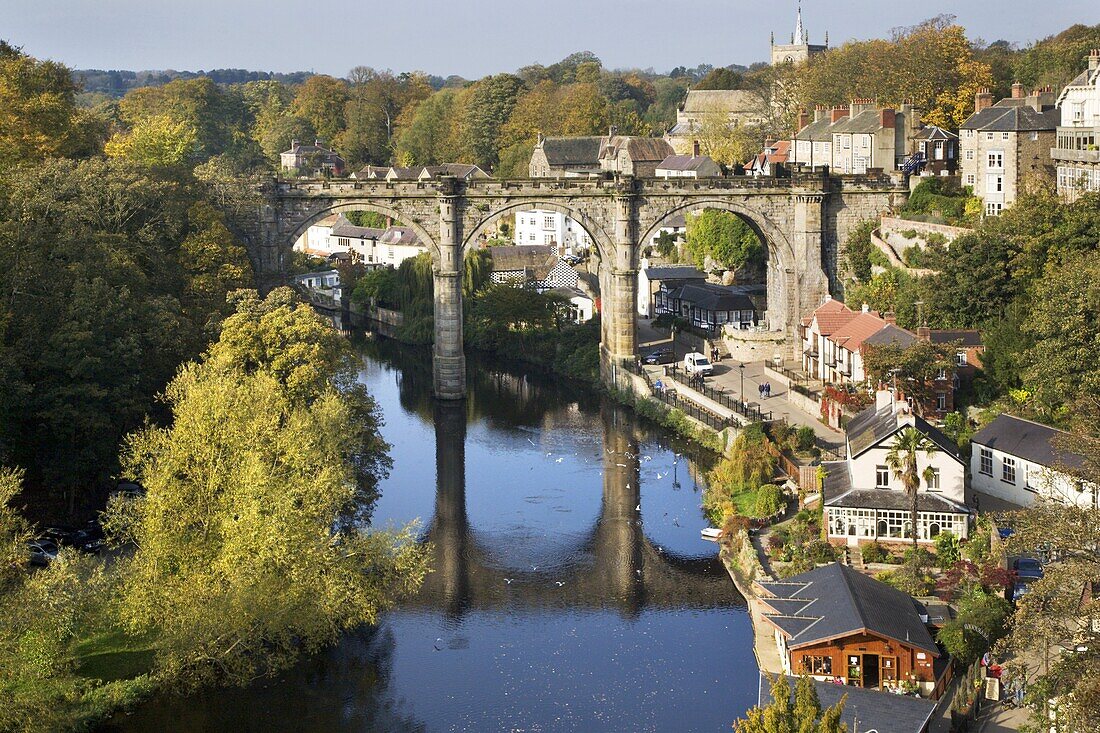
pixel 866 308
pixel 1017 91
pixel 983 99
pixel 837 114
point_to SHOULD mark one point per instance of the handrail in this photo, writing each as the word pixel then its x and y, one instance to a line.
pixel 723 398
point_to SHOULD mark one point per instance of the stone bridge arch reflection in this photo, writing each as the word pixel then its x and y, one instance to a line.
pixel 614 565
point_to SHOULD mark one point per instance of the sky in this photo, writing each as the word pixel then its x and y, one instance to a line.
pixel 473 38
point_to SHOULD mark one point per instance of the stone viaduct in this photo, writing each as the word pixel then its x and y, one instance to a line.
pixel 801 219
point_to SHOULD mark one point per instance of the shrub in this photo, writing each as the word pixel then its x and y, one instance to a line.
pixel 820 552
pixel 769 501
pixel 806 438
pixel 873 552
pixel 947 550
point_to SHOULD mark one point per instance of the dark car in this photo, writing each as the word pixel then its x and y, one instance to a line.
pixel 1022 586
pixel 41 551
pixel 572 259
pixel 663 355
pixel 1028 568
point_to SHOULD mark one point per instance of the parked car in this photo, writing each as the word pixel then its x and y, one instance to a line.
pixel 1022 586
pixel 696 363
pixel 572 260
pixel 42 551
pixel 1028 568
pixel 663 355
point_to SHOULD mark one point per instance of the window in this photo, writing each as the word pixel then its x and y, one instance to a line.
pixel 1004 135
pixel 941 402
pixel 1033 479
pixel 1008 470
pixel 995 159
pixel 993 208
pixel 532 237
pixel 1034 136
pixel 985 462
pixel 547 222
pixel 817 665
pixel 882 477
pixel 970 179
pixel 547 238
pixel 970 155
pixel 960 358
pixel 941 374
pixel 934 480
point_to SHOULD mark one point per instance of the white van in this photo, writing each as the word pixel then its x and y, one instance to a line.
pixel 696 363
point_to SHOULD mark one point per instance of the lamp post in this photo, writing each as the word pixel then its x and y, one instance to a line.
pixel 741 366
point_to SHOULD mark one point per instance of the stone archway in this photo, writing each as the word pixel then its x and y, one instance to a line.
pixel 599 237
pixel 340 208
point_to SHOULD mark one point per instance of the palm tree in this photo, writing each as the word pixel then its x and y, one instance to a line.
pixel 902 460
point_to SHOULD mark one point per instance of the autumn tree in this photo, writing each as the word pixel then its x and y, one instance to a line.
pixel 322 100
pixel 1053 641
pixel 156 142
pixel 248 551
pixel 914 368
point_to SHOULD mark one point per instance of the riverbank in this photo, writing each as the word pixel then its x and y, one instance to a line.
pixel 744 568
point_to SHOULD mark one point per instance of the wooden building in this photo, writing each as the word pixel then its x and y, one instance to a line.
pixel 838 625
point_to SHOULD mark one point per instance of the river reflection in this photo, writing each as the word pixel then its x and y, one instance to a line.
pixel 570 590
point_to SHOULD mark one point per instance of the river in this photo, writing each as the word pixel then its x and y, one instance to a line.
pixel 570 588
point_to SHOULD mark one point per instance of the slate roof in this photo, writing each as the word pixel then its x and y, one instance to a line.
pixel 874 425
pixel 890 499
pixel 932 132
pixel 841 601
pixel 572 151
pixel 720 100
pixel 458 170
pixel 890 334
pixel 968 337
pixel 675 272
pixel 717 298
pixel 687 163
pixel 1020 118
pixel 1028 440
pixel 514 258
pixel 344 228
pixel 875 710
pixel 640 149
pixel 817 131
pixel 869 120
pixel 399 235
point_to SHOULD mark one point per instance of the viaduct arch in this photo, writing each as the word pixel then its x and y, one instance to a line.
pixel 801 219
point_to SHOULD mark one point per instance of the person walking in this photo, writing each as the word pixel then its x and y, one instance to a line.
pixel 767 390
pixel 760 389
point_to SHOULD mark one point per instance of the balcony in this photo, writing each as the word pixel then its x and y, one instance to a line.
pixel 1075 156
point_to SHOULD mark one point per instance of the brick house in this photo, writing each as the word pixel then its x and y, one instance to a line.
pixel 837 625
pixel 304 159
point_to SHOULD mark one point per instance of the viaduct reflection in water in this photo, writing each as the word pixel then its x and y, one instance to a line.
pixel 613 566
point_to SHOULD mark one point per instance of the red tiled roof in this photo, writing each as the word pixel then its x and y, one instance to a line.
pixel 831 315
pixel 852 333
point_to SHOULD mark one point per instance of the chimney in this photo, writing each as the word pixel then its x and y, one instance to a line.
pixel 866 308
pixel 924 333
pixel 295 143
pixel 860 105
pixel 1094 59
pixel 695 148
pixel 612 131
pixel 820 111
pixel 803 119
pixel 318 141
pixel 837 114
pixel 1041 99
pixel 890 318
pixel 883 399
pixel 1017 91
pixel 541 138
pixel 983 100
pixel 886 117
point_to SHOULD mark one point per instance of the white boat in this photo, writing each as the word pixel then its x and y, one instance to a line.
pixel 712 534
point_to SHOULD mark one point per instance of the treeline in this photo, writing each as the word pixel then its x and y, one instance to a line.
pixel 1028 279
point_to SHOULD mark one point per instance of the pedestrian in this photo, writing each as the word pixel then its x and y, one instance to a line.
pixel 760 389
pixel 767 390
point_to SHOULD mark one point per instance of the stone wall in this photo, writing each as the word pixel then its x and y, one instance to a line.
pixel 753 345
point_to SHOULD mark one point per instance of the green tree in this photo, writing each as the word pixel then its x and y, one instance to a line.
pixel 913 368
pixel 902 459
pixel 805 715
pixel 155 142
pixel 722 237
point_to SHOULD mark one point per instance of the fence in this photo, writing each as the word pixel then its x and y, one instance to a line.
pixel 672 399
pixel 723 398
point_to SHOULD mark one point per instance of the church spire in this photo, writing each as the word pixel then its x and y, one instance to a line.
pixel 799 32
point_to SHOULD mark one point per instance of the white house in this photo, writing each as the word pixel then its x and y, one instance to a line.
pixel 581 306
pixel 1076 152
pixel 327 282
pixel 1015 460
pixel 318 239
pixel 651 277
pixel 688 166
pixel 537 226
pixel 865 502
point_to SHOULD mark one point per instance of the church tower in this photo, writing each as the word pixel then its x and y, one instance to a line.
pixel 800 48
